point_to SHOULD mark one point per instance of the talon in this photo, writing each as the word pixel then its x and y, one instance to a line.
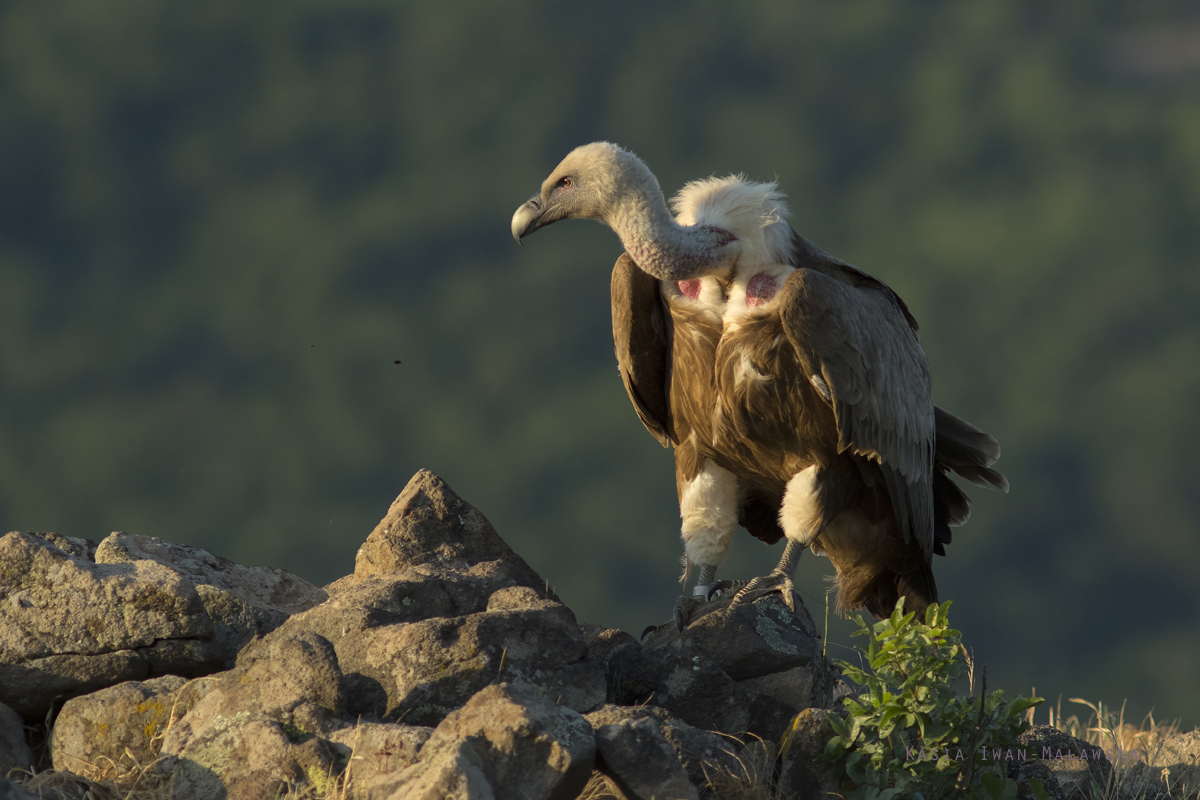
pixel 683 611
pixel 740 597
pixel 764 585
pixel 652 628
pixel 723 587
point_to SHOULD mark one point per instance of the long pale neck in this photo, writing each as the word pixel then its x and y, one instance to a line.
pixel 658 244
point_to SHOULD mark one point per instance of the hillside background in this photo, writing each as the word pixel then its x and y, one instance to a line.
pixel 222 224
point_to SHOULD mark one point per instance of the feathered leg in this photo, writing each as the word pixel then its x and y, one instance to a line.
pixel 708 506
pixel 687 603
pixel 802 515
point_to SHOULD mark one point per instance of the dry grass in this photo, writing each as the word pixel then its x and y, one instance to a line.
pixel 127 779
pixel 600 787
pixel 1131 749
pixel 752 779
pixel 56 785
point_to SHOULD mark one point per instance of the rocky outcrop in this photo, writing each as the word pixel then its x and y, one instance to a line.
pixel 438 608
pixel 443 667
pixel 76 618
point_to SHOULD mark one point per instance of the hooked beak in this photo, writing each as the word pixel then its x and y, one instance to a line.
pixel 528 217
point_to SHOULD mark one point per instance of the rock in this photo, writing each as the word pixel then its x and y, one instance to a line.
pixel 739 671
pixel 376 751
pixel 687 683
pixel 243 602
pixel 796 688
pixel 1182 748
pixel 68 626
pixel 1072 763
pixel 443 617
pixel 803 773
pixel 258 729
pixel 429 668
pixel 262 759
pixel 601 641
pixel 14 750
pixel 428 524
pixel 1140 781
pixel 53 785
pixel 635 753
pixel 702 754
pixel 601 644
pixel 119 725
pixel 1180 756
pixel 749 640
pixel 442 608
pixel 1027 772
pixel 509 743
pixel 84 549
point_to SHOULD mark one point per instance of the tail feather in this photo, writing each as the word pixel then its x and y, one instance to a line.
pixel 966 450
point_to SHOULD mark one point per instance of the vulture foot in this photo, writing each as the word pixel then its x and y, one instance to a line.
pixel 764 585
pixel 777 580
pixel 680 616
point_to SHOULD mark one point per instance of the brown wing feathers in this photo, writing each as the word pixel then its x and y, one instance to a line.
pixel 642 337
pixel 866 352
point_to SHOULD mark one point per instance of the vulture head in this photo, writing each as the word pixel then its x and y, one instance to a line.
pixel 604 182
pixel 594 181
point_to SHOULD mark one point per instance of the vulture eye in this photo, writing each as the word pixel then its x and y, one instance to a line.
pixel 565 183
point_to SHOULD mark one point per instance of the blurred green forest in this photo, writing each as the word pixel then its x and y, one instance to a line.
pixel 256 270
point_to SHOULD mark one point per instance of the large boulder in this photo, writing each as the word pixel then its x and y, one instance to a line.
pixel 428 524
pixel 508 743
pixel 76 617
pixel 242 602
pixel 69 626
pixel 118 726
pixel 260 729
pixel 1063 763
pixel 375 751
pixel 1178 757
pixel 804 773
pixel 441 607
pixel 674 672
pixel 648 753
pixel 418 643
pixel 746 641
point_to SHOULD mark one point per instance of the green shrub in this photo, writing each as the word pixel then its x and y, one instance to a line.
pixel 908 733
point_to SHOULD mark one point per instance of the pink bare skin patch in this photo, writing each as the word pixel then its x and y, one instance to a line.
pixel 690 288
pixel 760 289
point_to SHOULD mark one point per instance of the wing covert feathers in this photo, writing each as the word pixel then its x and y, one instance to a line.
pixel 642 332
pixel 860 342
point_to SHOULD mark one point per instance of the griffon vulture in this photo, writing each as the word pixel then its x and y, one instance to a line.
pixel 790 383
